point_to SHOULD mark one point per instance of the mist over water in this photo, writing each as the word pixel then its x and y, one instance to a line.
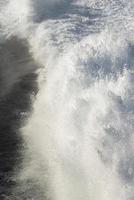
pixel 70 65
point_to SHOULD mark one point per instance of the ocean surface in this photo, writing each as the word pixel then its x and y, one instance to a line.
pixel 66 100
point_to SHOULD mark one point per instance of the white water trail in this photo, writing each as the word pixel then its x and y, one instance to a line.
pixel 80 134
pixel 76 128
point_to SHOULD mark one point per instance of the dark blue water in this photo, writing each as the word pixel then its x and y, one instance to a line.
pixel 15 107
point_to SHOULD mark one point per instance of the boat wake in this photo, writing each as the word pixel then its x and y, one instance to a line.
pixel 77 139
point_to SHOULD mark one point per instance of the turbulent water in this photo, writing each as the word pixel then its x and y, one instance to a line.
pixel 66 100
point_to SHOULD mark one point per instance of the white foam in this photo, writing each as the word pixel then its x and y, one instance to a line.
pixel 81 126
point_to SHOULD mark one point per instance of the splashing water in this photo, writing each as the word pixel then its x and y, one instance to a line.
pixel 79 137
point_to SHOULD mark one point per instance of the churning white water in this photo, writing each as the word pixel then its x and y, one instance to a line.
pixel 80 136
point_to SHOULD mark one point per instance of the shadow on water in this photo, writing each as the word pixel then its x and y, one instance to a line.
pixel 17 84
